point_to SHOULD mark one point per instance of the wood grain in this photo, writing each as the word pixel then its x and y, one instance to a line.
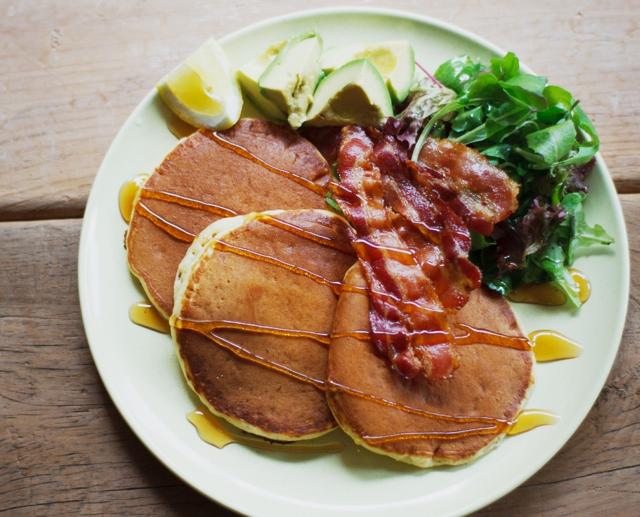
pixel 65 450
pixel 73 71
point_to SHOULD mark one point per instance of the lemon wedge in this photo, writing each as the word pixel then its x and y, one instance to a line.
pixel 202 90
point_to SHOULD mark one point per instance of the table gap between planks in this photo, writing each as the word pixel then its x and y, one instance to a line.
pixel 72 72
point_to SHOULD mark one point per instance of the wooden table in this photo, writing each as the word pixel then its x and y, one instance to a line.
pixel 72 72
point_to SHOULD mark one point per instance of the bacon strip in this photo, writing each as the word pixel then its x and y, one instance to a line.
pixel 442 242
pixel 479 192
pixel 412 224
pixel 390 266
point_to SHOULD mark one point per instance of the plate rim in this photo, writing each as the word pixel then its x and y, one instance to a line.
pixel 235 500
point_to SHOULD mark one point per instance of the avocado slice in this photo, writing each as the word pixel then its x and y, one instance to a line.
pixel 395 60
pixel 292 76
pixel 249 75
pixel 355 93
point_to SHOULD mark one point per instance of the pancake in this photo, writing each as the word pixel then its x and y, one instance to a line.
pixel 219 285
pixel 200 168
pixel 489 382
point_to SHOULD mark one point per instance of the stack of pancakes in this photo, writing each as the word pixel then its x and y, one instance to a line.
pixel 269 310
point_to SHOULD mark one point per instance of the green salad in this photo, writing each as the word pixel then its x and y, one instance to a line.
pixel 540 136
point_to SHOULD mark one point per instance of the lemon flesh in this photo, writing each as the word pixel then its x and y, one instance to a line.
pixel 202 90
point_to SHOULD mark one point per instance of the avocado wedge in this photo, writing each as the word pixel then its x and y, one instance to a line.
pixel 291 77
pixel 395 60
pixel 355 93
pixel 249 75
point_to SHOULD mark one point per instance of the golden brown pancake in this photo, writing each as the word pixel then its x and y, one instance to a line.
pixel 215 285
pixel 489 382
pixel 200 168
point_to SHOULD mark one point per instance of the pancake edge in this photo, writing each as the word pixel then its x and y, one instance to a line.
pixel 426 462
pixel 201 246
pixel 132 270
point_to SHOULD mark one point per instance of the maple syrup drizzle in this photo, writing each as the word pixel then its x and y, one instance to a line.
pixel 146 315
pixel 549 345
pixel 179 128
pixel 530 419
pixel 127 195
pixel 403 256
pixel 245 153
pixel 457 434
pixel 172 229
pixel 477 336
pixel 320 384
pixel 360 335
pixel 548 294
pixel 564 349
pixel 213 432
pixel 208 326
pixel 179 199
pixel 335 285
pixel 472 336
pixel 525 421
pixel 301 232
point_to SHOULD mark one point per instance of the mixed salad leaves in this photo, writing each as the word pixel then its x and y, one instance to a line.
pixel 541 137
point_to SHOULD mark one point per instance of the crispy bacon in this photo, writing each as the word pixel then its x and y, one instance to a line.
pixel 406 313
pixel 443 241
pixel 479 192
pixel 412 224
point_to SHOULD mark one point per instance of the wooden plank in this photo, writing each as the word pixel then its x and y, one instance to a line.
pixel 65 449
pixel 71 76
